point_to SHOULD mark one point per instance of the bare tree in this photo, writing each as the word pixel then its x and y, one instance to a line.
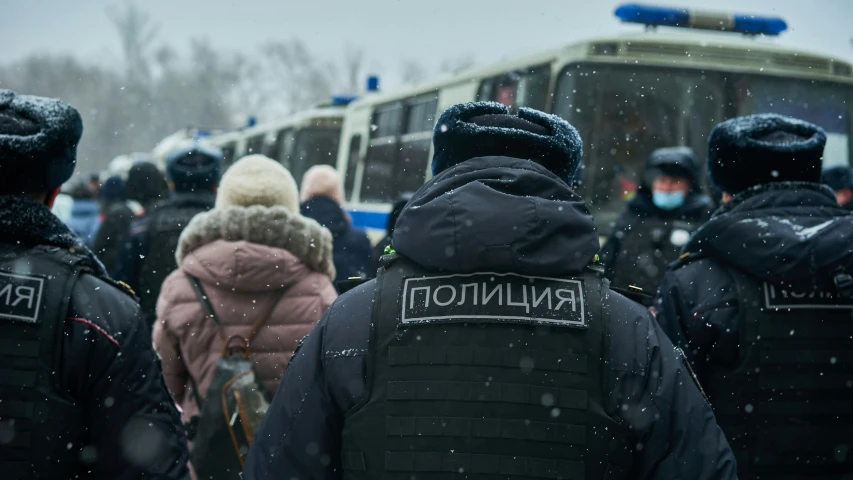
pixel 137 35
pixel 412 71
pixel 455 64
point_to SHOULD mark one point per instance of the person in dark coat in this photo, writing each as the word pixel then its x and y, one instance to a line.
pixel 322 196
pixel 149 256
pixel 667 209
pixel 416 373
pixel 118 213
pixel 82 389
pixel 761 302
pixel 146 185
pixel 379 248
pixel 85 212
pixel 840 180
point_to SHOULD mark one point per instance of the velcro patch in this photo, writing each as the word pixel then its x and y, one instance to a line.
pixel 494 298
pixel 20 296
pixel 778 298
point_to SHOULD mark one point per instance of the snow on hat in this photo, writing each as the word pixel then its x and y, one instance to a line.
pixel 838 177
pixel 257 180
pixel 38 143
pixel 482 129
pixel 764 148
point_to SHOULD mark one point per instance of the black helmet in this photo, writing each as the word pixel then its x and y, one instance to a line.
pixel 194 168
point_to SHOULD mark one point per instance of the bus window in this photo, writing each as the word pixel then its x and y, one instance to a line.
pixel 255 145
pixel 228 154
pixel 624 113
pixel 520 88
pixel 821 103
pixel 377 180
pixel 411 165
pixel 285 141
pixel 314 146
pixel 352 165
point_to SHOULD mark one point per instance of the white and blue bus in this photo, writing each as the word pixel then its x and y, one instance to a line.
pixel 297 141
pixel 627 95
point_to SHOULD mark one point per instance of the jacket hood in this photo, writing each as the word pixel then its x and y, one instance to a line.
pixel 790 233
pixel 696 206
pixel 497 214
pixel 245 267
pixel 275 227
pixel 327 213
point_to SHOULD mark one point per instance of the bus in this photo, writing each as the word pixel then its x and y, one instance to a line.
pixel 627 95
pixel 298 141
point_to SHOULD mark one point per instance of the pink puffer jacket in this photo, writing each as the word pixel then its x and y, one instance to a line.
pixel 246 259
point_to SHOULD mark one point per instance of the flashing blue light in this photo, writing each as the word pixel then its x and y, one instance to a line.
pixel 373 83
pixel 201 133
pixel 682 17
pixel 343 99
pixel 251 121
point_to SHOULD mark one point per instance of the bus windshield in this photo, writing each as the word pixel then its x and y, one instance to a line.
pixel 623 113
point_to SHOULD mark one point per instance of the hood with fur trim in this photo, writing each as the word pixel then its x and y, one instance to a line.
pixel 275 227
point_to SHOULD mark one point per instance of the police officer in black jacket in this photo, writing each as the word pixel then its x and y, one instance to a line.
pixel 668 207
pixel 81 391
pixel 762 302
pixel 149 256
pixel 490 345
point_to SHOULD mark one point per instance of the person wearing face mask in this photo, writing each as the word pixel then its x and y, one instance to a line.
pixel 660 219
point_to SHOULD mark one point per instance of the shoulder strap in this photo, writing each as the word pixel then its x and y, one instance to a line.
pixel 262 318
pixel 201 296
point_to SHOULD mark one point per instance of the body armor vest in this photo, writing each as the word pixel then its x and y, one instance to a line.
pixel 485 375
pixel 647 248
pixel 41 427
pixel 166 222
pixel 787 407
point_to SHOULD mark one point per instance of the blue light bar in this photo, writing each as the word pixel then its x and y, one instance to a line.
pixel 682 17
pixel 343 99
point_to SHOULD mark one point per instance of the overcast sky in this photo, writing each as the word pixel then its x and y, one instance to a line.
pixel 389 30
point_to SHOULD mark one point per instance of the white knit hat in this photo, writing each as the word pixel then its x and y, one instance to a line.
pixel 257 180
pixel 322 181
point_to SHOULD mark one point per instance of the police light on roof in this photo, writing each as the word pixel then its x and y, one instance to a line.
pixel 681 17
pixel 343 99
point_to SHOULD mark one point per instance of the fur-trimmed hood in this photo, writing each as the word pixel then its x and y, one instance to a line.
pixel 27 222
pixel 275 227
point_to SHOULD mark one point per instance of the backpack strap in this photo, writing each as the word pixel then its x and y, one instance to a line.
pixel 265 315
pixel 201 296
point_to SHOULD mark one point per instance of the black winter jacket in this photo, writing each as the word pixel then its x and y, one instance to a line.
pixel 499 214
pixel 353 255
pixel 108 363
pixel 646 239
pixel 790 233
pixel 113 234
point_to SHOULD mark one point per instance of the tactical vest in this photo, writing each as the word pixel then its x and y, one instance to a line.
pixel 41 427
pixel 166 222
pixel 787 407
pixel 484 376
pixel 646 249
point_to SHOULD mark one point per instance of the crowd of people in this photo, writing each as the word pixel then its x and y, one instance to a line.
pixel 209 324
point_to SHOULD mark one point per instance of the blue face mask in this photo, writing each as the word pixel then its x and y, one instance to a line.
pixel 668 200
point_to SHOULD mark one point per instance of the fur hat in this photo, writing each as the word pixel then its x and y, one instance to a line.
pixel 257 180
pixel 764 148
pixel 838 177
pixel 482 129
pixel 38 143
pixel 322 181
